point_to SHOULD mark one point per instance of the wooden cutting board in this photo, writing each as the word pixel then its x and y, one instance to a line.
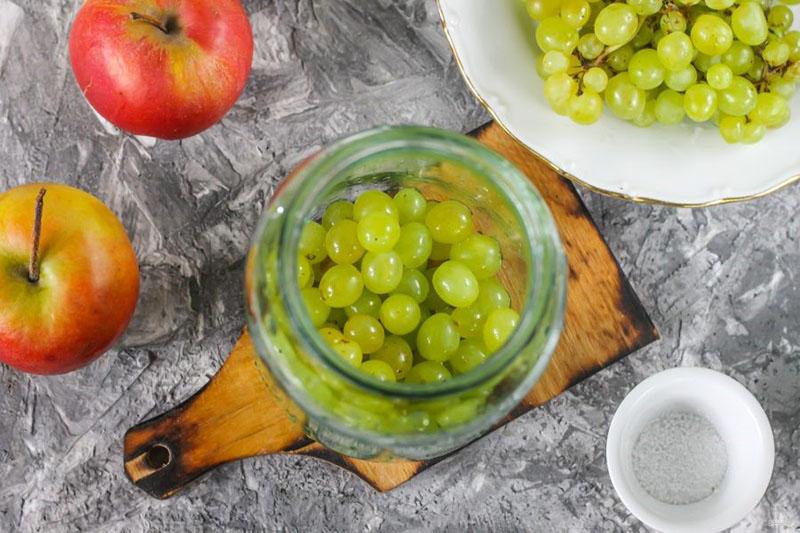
pixel 235 417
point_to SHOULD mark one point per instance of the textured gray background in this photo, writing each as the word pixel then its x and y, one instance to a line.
pixel 722 284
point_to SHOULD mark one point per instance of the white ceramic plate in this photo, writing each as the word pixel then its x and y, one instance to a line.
pixel 684 165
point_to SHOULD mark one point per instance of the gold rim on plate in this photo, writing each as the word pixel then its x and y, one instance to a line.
pixel 575 179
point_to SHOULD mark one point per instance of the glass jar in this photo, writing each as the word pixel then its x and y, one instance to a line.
pixel 346 409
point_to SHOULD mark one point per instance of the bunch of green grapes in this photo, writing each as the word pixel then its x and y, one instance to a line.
pixel 404 288
pixel 733 62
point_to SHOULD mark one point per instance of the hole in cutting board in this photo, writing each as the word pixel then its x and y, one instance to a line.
pixel 158 457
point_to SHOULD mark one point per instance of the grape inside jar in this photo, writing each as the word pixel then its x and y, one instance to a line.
pixel 406 290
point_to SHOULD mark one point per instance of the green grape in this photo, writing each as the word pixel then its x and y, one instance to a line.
pixel 337 317
pixel 305 274
pixel 793 40
pixel 410 204
pixel 585 108
pixel 499 326
pixel 553 33
pixel 414 245
pixel 480 253
pixel 625 99
pixel 373 201
pixel 368 303
pixel 540 67
pixel 753 132
pixel 590 47
pixel 618 59
pixel 382 272
pixel 470 354
pixel 711 35
pixel 595 79
pixel 739 98
pixel 437 338
pixel 428 372
pixel 780 17
pixel 554 61
pixel 341 242
pixel 469 320
pixel 680 80
pixel 456 284
pixel 434 302
pixel 648 115
pixel 756 72
pixel 411 338
pixel 642 37
pixel 378 232
pixel 400 314
pixel 349 350
pixel 782 86
pixel 542 9
pixel 414 284
pixel 459 414
pixel 379 370
pixel 749 23
pixel 558 89
pixel 616 24
pixel 732 128
pixel 672 21
pixel 675 51
pixel 703 62
pixel 440 251
pixel 688 2
pixel 575 13
pixel 330 334
pixel 739 58
pixel 719 5
pixel 318 310
pixel 669 107
pixel 645 7
pixel 366 331
pixel 492 295
pixel 645 69
pixel 700 102
pixel 341 285
pixel 449 222
pixel 397 354
pixel 771 110
pixel 336 211
pixel 312 242
pixel 719 76
pixel 776 53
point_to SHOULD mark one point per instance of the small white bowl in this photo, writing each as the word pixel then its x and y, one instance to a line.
pixel 740 422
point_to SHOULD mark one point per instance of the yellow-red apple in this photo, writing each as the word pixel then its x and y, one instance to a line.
pixel 69 280
pixel 163 68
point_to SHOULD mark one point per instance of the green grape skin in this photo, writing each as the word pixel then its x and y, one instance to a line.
pixel 540 66
pixel 739 58
pixel 719 5
pixel 719 76
pixel 648 115
pixel 414 245
pixel 396 353
pixel 499 326
pixel 645 69
pixel 553 33
pixel 480 253
pixel 439 251
pixel 312 242
pixel 749 23
pixel 337 317
pixel 589 46
pixel 365 330
pixel 542 9
pixel 780 17
pixel 349 350
pixel 414 284
pixel 645 7
pixel 753 132
pixel 330 334
pixel 437 338
pixel 756 72
pixel 585 108
pixel 336 211
pixel 341 285
pixel 410 204
pixel 379 370
pixel 575 13
pixel 703 62
pixel 382 272
pixel 771 110
pixel 711 35
pixel 616 24
pixel 782 86
pixel 642 38
pixel 669 107
pixel 675 51
pixel 459 413
pixel 373 201
pixel 776 53
pixel 700 102
pixel 558 88
pixel 305 273
pixel 672 21
pixel 680 80
pixel 739 98
pixel 378 232
pixel 434 302
pixel 732 128
pixel 595 79
pixel 455 283
pixel 317 309
pixel 792 38
pixel 368 303
pixel 400 314
pixel 492 295
pixel 623 98
pixel 428 372
pixel 618 59
pixel 555 61
pixel 470 354
pixel 449 222
pixel 342 244
pixel 468 320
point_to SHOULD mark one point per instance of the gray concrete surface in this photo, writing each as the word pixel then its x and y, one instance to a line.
pixel 723 285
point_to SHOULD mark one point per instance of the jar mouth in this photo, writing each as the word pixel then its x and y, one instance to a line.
pixel 510 184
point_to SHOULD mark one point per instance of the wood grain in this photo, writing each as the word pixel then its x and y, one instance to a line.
pixel 235 416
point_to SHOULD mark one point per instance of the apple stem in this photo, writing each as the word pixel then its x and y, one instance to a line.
pixel 33 266
pixel 150 20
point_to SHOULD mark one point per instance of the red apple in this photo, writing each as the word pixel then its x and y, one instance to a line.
pixel 68 294
pixel 163 68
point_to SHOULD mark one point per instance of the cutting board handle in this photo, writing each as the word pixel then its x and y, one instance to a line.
pixel 233 417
